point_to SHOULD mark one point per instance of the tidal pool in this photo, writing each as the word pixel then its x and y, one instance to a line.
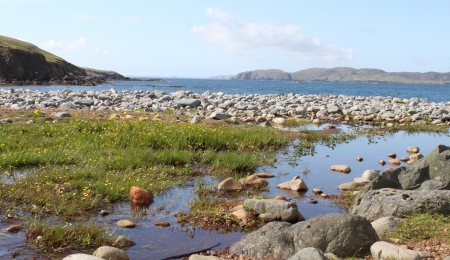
pixel 157 243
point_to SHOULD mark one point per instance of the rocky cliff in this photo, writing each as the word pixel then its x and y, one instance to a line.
pixel 22 63
pixel 343 74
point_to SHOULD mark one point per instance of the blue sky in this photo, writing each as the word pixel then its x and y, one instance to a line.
pixel 208 38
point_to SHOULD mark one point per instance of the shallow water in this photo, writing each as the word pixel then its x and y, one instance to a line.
pixel 156 243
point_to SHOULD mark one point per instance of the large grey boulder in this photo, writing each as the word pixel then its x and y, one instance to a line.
pixel 340 234
pixel 189 102
pixel 383 250
pixel 275 238
pixel 280 209
pixel 84 102
pixel 309 253
pixel 376 204
pixel 435 166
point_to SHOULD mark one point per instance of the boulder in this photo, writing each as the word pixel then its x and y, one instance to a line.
pixel 125 223
pixel 394 162
pixel 140 196
pixel 243 215
pixel 348 186
pixel 376 204
pixel 384 250
pixel 193 103
pixel 415 157
pixel 254 180
pixel 309 253
pixel 435 166
pixel 123 242
pixel 341 168
pixel 62 114
pixel 282 210
pixel 219 116
pixel 370 174
pixel 384 226
pixel 264 175
pixel 412 149
pixel 230 184
pixel 275 238
pixel 109 252
pixel 340 234
pixel 296 184
pixel 203 257
pixel 84 102
pixel 68 105
pixel 80 256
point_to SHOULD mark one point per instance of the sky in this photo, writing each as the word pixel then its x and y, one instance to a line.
pixel 210 38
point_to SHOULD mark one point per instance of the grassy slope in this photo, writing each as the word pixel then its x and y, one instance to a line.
pixel 21 45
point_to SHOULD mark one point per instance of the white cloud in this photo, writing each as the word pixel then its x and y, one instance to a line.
pixel 239 37
pixel 421 62
pixel 131 19
pixel 79 44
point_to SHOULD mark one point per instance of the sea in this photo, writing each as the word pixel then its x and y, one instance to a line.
pixel 433 92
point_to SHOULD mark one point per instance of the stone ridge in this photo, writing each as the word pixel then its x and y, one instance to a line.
pixel 345 74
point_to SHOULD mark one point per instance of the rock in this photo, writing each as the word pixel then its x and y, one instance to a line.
pixel 203 257
pixel 193 103
pixel 383 250
pixel 361 180
pixel 317 191
pixel 359 159
pixel 267 217
pixel 341 168
pixel 425 254
pixel 415 157
pixel 195 120
pixel 140 196
pixel 254 180
pixel 392 155
pixel 68 106
pixel 125 223
pixel 348 186
pixel 243 215
pixel 435 166
pixel 84 102
pixel 278 120
pixel 123 242
pixel 309 253
pixel 80 256
pixel 14 228
pixel 264 175
pixel 340 234
pixel 219 116
pixel 282 210
pixel 384 226
pixel 404 159
pixel 296 184
pixel 382 162
pixel 376 204
pixel 312 201
pixel 162 224
pixel 394 162
pixel 104 212
pixel 331 256
pixel 274 238
pixel 230 184
pixel 370 174
pixel 109 252
pixel 412 149
pixel 279 197
pixel 62 114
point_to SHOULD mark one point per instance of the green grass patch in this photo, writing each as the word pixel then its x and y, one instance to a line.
pixel 423 226
pixel 82 165
pixel 63 236
pixel 294 122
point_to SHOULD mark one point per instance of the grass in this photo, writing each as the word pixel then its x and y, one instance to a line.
pixel 21 45
pixel 63 236
pixel 81 165
pixel 293 122
pixel 423 226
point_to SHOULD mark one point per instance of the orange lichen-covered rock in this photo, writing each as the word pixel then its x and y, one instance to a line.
pixel 140 196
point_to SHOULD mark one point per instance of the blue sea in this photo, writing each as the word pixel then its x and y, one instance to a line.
pixel 434 93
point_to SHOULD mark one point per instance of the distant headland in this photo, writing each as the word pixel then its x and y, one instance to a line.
pixel 344 74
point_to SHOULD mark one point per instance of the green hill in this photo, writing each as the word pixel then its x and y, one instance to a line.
pixel 344 74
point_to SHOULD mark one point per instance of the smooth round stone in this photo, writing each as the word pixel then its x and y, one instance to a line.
pixel 125 223
pixel 370 174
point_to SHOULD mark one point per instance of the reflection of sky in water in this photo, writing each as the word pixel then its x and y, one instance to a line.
pixel 155 243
